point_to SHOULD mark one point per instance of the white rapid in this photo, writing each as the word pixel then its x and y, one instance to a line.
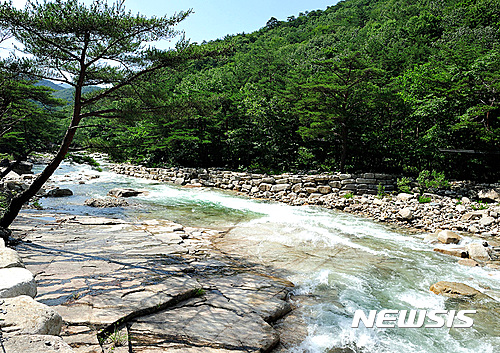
pixel 339 263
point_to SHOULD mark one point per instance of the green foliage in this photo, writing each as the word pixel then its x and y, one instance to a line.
pixel 386 85
pixel 349 195
pixel 432 180
pixel 199 292
pixel 479 206
pixel 380 191
pixel 78 158
pixel 404 184
pixel 424 199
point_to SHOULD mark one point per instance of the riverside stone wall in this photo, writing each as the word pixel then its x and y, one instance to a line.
pixel 294 186
pixel 454 208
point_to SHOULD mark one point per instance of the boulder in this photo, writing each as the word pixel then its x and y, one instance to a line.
pixel 489 195
pixel 431 238
pixel 9 258
pixel 16 281
pixel 106 202
pixel 178 181
pixel 325 189
pixel 23 315
pixel 468 262
pixel 23 168
pixel 404 196
pixel 487 221
pixel 59 193
pixel 453 251
pixel 36 344
pixel 448 237
pixel 478 252
pixel 118 192
pixel 405 213
pixel 454 289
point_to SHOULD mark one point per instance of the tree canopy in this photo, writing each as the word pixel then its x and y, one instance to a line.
pixel 84 46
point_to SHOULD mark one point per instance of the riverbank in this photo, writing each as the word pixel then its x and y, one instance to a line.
pixel 456 209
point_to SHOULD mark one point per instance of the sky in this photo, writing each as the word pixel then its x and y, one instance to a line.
pixel 213 19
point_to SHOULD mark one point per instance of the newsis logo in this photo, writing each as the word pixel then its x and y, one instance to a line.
pixel 413 318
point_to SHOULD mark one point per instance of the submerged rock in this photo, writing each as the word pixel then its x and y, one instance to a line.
pixel 59 193
pixel 106 202
pixel 448 237
pixel 126 192
pixel 454 289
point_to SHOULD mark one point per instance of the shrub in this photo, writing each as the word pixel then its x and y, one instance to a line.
pixel 432 180
pixel 423 199
pixel 404 184
pixel 380 191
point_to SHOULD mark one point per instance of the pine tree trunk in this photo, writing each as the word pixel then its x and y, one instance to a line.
pixel 20 199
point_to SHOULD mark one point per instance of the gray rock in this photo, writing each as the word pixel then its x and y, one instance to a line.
pixel 177 181
pixel 23 168
pixel 486 221
pixel 203 325
pixel 324 189
pixel 10 258
pixel 106 202
pixel 478 252
pixel 406 213
pixel 126 192
pixel 59 193
pixel 16 281
pixel 23 315
pixel 404 196
pixel 280 187
pixel 268 180
pixel 448 237
pixel 36 344
pixel 489 195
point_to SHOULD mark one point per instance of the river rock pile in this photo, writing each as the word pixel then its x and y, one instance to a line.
pixel 25 324
pixel 363 194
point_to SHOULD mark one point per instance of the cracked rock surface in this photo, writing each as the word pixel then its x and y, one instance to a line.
pixel 151 286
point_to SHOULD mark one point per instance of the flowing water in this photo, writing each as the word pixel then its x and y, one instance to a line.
pixel 339 263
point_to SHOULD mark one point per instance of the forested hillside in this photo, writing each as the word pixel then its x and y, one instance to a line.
pixel 373 85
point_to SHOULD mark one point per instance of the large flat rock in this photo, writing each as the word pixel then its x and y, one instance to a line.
pixel 167 283
pixel 199 324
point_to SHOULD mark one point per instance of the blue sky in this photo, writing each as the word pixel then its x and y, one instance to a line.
pixel 214 19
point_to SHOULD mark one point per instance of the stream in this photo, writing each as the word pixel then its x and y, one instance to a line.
pixel 339 262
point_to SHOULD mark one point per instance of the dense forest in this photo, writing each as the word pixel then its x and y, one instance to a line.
pixel 372 85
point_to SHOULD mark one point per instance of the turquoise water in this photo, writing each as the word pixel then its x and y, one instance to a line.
pixel 339 262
